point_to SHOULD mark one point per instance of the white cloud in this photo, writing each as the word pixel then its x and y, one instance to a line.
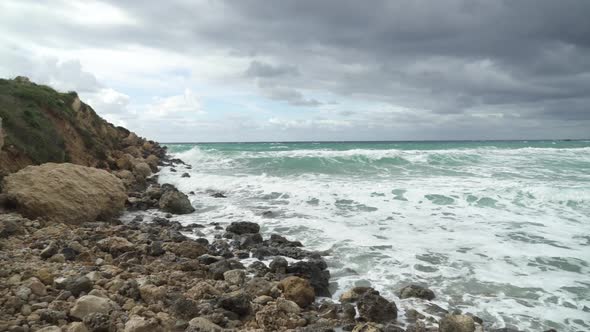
pixel 184 104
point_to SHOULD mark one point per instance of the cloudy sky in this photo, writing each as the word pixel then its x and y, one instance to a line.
pixel 251 70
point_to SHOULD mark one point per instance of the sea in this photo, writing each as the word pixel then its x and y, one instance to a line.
pixel 499 229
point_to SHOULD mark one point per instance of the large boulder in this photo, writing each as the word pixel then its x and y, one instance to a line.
pixel 65 192
pixel 174 201
pixel 297 290
pixel 243 227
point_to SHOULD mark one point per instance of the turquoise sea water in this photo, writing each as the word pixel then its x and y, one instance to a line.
pixel 500 229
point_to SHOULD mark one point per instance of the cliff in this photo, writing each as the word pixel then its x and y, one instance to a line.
pixel 40 124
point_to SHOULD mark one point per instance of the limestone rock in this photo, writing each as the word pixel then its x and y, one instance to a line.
pixel 297 290
pixel 89 304
pixel 174 201
pixel 65 192
pixel 456 323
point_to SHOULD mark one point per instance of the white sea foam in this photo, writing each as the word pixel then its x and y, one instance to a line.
pixel 512 249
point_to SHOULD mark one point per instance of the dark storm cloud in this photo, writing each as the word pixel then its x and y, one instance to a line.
pixel 446 57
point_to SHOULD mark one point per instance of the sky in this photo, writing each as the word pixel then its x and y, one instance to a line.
pixel 309 70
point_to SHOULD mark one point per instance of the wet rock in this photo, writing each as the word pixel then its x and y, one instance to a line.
pixel 217 269
pixel 207 259
pixel 416 291
pixel 185 175
pixel 279 265
pixel 456 323
pixel 413 315
pixel 258 268
pixel 174 201
pixel 218 195
pixel 89 304
pixel 246 241
pixel 243 227
pixel 317 274
pixel 237 302
pixel 352 295
pixel 375 308
pixel 281 241
pixel 297 290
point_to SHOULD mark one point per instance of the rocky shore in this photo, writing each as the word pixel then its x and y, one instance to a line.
pixel 71 258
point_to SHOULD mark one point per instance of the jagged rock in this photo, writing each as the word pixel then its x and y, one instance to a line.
pixel 185 308
pixel 416 291
pixel 189 249
pixel 65 192
pixel 115 245
pixel 152 293
pixel 89 304
pixel 237 302
pixel 272 318
pixel 375 308
pixel 279 265
pixel 98 322
pixel 456 323
pixel 243 227
pixel 316 272
pixel 297 290
pixel 258 287
pixel 235 277
pixel 352 295
pixel 155 249
pixel 203 291
pixel 258 268
pixel 174 201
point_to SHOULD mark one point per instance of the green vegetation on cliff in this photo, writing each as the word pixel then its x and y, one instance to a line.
pixel 42 125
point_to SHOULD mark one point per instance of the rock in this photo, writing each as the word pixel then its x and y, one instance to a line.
pixel 258 268
pixel 218 195
pixel 89 304
pixel 235 277
pixel 201 324
pixel 189 249
pixel 45 275
pixel 217 269
pixel 185 175
pixel 140 324
pixel 98 322
pixel 130 289
pixel 352 295
pixel 316 272
pixel 416 291
pixel 76 327
pixel 272 318
pixel 155 249
pixel 258 287
pixel 115 245
pixel 367 327
pixel 237 302
pixel 375 308
pixel 247 241
pixel 51 316
pixel 185 308
pixel 11 224
pixel 142 169
pixel 78 285
pixel 175 202
pixel 153 162
pixel 65 192
pixel 51 249
pixel 49 329
pixel 297 290
pixel 151 294
pixel 23 293
pixel 288 306
pixel 264 299
pixel 243 227
pixel 456 323
pixel 203 291
pixel 37 287
pixel 279 265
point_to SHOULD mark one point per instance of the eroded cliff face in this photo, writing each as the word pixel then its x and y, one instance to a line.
pixel 40 124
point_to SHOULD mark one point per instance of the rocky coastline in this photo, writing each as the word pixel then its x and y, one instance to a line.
pixel 69 262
